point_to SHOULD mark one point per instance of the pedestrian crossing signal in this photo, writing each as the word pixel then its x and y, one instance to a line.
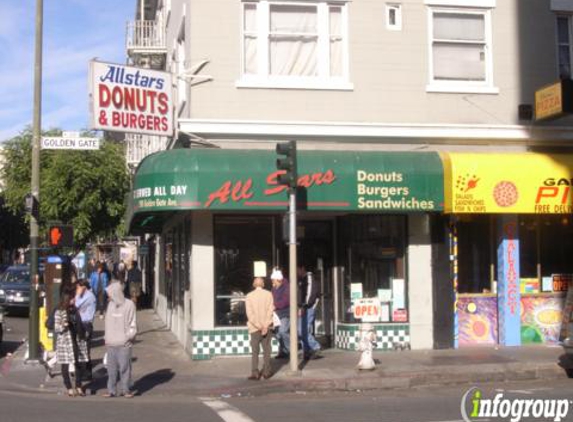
pixel 61 236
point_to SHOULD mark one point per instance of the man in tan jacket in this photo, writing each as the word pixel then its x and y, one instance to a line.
pixel 259 304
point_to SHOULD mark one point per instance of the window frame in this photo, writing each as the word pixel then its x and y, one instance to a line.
pixel 323 81
pixel 397 7
pixel 569 18
pixel 479 87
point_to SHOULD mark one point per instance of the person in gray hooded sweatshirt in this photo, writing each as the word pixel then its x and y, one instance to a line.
pixel 120 331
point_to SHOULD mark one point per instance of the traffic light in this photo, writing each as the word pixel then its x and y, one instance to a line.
pixel 287 164
pixel 61 236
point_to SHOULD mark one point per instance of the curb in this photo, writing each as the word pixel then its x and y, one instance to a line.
pixel 397 381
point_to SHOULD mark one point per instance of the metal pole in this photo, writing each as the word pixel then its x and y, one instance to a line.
pixel 293 282
pixel 33 323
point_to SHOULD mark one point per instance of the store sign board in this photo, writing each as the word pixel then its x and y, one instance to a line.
pixel 554 100
pixel 548 102
pixel 508 183
pixel 509 297
pixel 561 282
pixel 327 180
pixel 130 99
pixel 367 309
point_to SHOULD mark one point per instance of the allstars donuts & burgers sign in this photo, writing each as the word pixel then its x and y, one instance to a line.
pixel 130 99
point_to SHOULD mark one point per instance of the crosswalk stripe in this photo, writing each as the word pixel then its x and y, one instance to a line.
pixel 226 411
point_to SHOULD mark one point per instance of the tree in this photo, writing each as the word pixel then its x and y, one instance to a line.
pixel 84 188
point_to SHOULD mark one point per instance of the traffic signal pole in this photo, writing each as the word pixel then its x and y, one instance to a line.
pixel 33 323
pixel 293 311
pixel 288 164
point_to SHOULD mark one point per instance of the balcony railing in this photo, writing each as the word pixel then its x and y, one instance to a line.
pixel 140 146
pixel 145 36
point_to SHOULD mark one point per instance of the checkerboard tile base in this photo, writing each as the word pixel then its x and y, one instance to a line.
pixel 223 342
pixel 389 336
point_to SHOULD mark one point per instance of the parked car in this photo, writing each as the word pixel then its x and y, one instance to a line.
pixel 15 287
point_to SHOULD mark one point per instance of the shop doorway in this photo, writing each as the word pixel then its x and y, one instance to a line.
pixel 316 251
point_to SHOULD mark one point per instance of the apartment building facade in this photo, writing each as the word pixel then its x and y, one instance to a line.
pixel 426 183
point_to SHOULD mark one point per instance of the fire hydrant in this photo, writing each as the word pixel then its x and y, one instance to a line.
pixel 366 344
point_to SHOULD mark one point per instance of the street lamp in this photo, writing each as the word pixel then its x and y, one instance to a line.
pixel 33 323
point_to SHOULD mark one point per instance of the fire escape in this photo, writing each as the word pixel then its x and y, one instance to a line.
pixel 146 48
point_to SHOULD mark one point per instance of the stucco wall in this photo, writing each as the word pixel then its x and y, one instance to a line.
pixel 389 69
pixel 420 282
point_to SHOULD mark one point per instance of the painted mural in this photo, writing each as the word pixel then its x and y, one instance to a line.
pixel 541 319
pixel 477 319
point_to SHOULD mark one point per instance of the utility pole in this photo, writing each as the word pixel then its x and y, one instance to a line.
pixel 33 323
pixel 288 164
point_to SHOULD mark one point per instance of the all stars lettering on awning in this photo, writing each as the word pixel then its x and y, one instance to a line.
pixel 245 180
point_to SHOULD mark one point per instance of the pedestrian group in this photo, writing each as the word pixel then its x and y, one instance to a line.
pixel 72 322
pixel 268 312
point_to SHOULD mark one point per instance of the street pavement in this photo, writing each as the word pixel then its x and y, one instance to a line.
pixel 163 369
pixel 436 404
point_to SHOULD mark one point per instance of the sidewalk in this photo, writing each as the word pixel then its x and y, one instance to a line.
pixel 161 367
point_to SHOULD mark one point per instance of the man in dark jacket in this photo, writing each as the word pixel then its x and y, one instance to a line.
pixel 308 296
pixel 281 300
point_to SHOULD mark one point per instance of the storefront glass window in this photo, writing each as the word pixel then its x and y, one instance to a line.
pixel 545 245
pixel 165 287
pixel 239 242
pixel 476 253
pixel 372 251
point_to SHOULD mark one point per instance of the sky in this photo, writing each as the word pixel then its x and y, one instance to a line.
pixel 75 31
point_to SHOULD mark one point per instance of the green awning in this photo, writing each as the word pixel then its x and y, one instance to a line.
pixel 245 180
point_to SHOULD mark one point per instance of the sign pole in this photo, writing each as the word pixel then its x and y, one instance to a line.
pixel 33 323
pixel 293 282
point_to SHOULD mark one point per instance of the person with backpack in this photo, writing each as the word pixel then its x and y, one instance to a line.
pixel 71 346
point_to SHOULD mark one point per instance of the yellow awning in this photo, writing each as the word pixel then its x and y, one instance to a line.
pixel 527 183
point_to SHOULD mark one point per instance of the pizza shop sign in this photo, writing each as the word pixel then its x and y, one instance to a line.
pixel 130 99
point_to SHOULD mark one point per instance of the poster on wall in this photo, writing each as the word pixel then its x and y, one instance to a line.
pixel 398 293
pixel 385 295
pixel 541 319
pixel 400 315
pixel 547 284
pixel 260 268
pixel 385 312
pixel 355 291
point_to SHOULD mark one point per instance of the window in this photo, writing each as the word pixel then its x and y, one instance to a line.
pixel 239 242
pixel 294 45
pixel 476 253
pixel 460 50
pixel 564 45
pixel 545 245
pixel 394 17
pixel 373 265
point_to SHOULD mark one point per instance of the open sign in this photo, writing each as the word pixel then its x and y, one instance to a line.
pixel 367 309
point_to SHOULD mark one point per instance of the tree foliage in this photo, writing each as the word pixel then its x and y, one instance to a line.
pixel 84 188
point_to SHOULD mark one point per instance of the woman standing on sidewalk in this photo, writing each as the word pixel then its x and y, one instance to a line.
pixel 71 346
